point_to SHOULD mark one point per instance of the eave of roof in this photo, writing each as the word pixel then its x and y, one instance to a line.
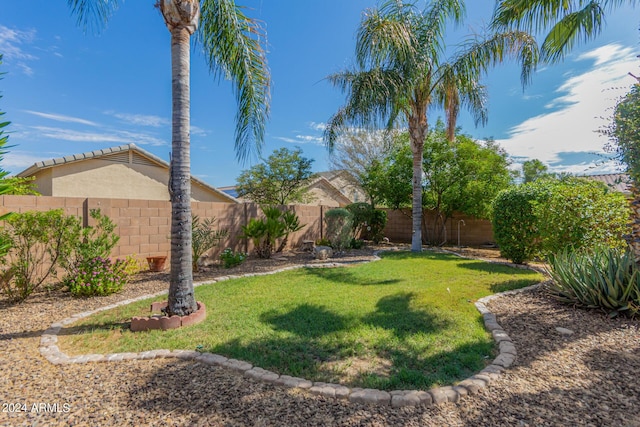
pixel 45 164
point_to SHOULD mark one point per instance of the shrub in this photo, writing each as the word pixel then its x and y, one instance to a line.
pixel 367 221
pixel 323 242
pixel 39 241
pixel 90 242
pixel 356 243
pixel 580 213
pixel 231 259
pixel 339 228
pixel 99 277
pixel 548 215
pixel 603 277
pixel 204 237
pixel 514 223
pixel 266 231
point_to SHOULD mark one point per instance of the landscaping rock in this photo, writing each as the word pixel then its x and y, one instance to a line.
pixel 322 253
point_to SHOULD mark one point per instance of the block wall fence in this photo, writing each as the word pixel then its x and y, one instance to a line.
pixel 144 226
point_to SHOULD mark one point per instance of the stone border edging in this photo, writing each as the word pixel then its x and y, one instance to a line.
pixel 396 398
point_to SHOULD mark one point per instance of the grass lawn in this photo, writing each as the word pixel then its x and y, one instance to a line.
pixel 407 321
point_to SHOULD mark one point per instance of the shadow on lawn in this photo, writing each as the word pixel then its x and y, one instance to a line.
pixel 321 343
pixel 347 276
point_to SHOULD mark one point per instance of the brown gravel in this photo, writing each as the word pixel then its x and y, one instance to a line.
pixel 588 378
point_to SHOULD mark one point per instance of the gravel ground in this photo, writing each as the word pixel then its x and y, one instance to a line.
pixel 587 378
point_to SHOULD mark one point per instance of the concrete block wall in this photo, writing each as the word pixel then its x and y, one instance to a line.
pixel 144 226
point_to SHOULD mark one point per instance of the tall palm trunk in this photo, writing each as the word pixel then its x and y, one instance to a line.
pixel 417 132
pixel 181 17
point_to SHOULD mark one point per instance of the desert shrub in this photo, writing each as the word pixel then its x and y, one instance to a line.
pixel 602 277
pixel 548 215
pixel 231 259
pixel 368 222
pixel 39 241
pixel 323 242
pixel 577 213
pixel 99 276
pixel 266 231
pixel 514 223
pixel 339 228
pixel 204 237
pixel 356 243
pixel 95 241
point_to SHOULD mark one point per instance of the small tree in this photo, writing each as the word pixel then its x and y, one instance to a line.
pixel 278 180
pixel 204 237
pixel 266 231
pixel 624 136
pixel 339 228
pixel 532 170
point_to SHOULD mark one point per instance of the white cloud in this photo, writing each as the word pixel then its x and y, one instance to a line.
pixel 16 161
pixel 582 102
pixel 61 118
pixel 318 126
pixel 121 137
pixel 11 47
pixel 140 119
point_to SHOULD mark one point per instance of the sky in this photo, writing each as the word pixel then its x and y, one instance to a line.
pixel 67 92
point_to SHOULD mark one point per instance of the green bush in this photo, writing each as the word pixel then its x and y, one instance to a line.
pixel 98 277
pixel 577 213
pixel 602 277
pixel 514 223
pixel 95 241
pixel 368 222
pixel 323 242
pixel 231 259
pixel 204 237
pixel 39 242
pixel 548 215
pixel 266 231
pixel 339 228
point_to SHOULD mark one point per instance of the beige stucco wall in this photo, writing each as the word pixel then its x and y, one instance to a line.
pixel 42 182
pixel 106 179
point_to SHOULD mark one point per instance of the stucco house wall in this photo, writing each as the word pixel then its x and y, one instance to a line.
pixel 125 172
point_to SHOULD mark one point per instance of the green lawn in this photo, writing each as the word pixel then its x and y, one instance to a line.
pixel 407 321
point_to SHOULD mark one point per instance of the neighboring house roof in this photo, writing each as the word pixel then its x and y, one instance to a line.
pixel 322 180
pixel 110 152
pixel 616 181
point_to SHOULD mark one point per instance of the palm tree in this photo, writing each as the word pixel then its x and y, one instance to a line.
pixel 233 47
pixel 569 21
pixel 401 71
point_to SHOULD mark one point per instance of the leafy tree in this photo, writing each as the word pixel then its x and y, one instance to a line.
pixel 401 71
pixel 357 149
pixel 568 21
pixel 279 180
pixel 624 135
pixel 463 176
pixel 233 48
pixel 532 170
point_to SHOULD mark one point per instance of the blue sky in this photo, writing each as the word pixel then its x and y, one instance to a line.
pixel 67 92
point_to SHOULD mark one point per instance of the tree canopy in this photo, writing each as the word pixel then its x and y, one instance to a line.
pixel 278 180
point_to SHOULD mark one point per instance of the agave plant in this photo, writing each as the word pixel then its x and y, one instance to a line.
pixel 601 277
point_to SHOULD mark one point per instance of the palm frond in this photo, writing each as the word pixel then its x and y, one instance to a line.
pixel 384 38
pixel 92 14
pixel 234 48
pixel 584 24
pixel 481 54
pixel 374 99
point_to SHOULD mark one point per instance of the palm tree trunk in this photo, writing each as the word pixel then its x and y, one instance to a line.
pixel 417 132
pixel 181 297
